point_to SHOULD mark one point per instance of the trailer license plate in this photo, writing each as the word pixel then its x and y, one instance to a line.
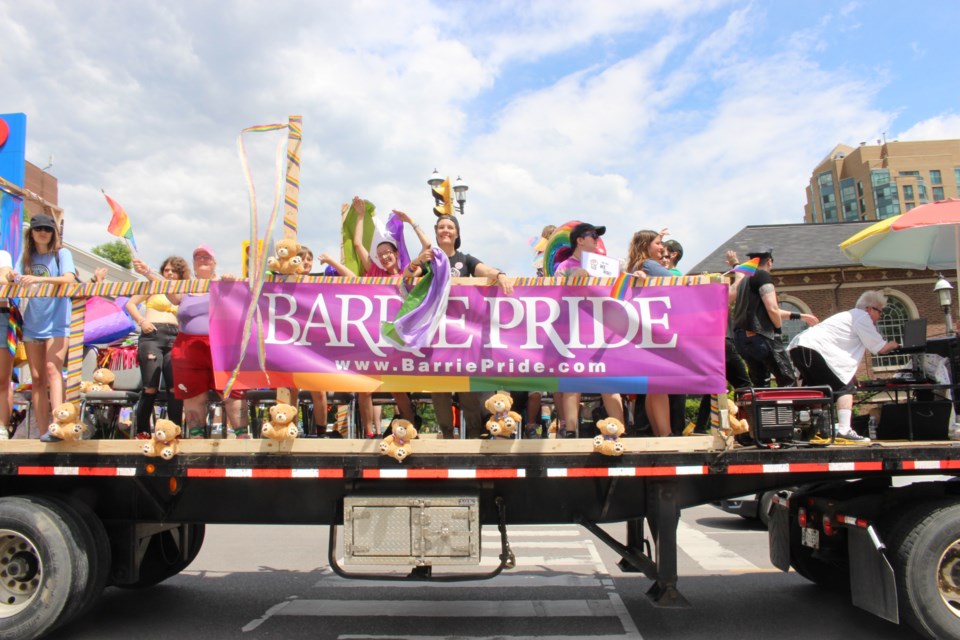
pixel 810 538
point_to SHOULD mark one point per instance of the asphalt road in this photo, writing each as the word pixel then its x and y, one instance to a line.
pixel 273 582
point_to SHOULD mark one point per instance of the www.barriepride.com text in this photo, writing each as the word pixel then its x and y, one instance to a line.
pixel 459 367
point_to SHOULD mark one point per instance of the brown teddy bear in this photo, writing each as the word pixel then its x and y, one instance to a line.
pixel 498 404
pixel 105 378
pixel 66 424
pixel 165 442
pixel 398 444
pixel 282 424
pixel 287 262
pixel 608 442
pixel 504 427
pixel 737 426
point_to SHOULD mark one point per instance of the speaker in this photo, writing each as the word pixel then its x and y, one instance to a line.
pixel 930 421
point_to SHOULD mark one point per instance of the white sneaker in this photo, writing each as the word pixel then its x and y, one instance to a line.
pixel 4 433
pixel 852 436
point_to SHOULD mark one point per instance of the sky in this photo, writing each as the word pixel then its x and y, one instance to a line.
pixel 702 116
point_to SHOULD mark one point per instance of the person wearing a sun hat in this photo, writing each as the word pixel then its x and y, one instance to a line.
pixel 46 321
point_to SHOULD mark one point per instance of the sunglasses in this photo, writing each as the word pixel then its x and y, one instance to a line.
pixel 591 234
pixel 43 229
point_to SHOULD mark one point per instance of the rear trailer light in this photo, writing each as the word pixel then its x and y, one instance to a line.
pixel 828 529
pixel 802 517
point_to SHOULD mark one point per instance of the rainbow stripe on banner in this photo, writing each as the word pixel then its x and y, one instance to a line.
pixel 120 222
pixel 662 338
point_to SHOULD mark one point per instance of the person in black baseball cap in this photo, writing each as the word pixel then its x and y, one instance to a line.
pixel 761 252
pixel 585 229
pixel 42 221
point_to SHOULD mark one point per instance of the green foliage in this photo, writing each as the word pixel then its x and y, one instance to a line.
pixel 117 252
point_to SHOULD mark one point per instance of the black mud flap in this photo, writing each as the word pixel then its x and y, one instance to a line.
pixel 873 586
pixel 778 532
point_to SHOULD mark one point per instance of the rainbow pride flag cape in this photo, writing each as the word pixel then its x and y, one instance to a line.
pixel 120 222
pixel 423 308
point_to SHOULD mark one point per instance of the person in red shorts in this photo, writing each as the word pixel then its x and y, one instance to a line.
pixel 192 360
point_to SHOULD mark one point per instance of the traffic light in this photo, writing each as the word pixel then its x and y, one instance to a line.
pixel 444 198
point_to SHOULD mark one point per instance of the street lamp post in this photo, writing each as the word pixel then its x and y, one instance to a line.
pixel 943 289
pixel 444 194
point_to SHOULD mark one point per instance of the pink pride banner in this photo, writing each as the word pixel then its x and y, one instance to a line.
pixel 326 336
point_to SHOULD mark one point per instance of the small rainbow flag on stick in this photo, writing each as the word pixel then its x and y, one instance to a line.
pixel 120 222
pixel 622 285
pixel 747 268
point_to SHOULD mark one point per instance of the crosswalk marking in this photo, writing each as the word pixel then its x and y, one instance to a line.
pixel 451 608
pixel 708 553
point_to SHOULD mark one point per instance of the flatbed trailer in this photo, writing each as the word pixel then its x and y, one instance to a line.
pixel 77 516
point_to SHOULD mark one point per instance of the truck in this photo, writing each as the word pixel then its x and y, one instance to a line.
pixel 76 517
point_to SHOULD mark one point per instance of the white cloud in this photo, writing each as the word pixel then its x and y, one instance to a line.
pixel 638 115
pixel 943 126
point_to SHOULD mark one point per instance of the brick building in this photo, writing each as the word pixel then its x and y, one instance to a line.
pixel 812 275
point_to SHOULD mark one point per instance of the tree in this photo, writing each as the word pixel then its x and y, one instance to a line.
pixel 116 252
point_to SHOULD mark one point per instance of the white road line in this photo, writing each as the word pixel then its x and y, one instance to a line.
pixel 708 553
pixel 452 608
pixel 272 611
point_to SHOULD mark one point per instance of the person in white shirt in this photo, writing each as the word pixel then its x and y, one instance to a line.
pixel 830 352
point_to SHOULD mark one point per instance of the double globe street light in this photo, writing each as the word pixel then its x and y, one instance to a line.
pixel 441 189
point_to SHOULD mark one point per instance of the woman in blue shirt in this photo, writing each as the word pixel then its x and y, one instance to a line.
pixel 46 321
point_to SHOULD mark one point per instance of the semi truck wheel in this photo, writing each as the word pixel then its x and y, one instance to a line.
pixel 94 542
pixel 926 559
pixel 42 568
pixel 168 553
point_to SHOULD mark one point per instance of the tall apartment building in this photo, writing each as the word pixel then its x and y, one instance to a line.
pixel 872 182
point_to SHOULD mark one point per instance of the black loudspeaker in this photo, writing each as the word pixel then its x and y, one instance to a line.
pixel 930 421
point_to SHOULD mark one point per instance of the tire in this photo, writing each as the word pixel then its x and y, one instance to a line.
pixel 164 557
pixel 763 507
pixel 42 567
pixel 95 540
pixel 925 550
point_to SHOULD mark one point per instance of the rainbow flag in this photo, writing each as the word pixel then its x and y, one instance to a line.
pixel 747 268
pixel 14 328
pixel 622 285
pixel 120 222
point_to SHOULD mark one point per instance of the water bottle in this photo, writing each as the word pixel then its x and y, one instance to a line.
pixel 872 427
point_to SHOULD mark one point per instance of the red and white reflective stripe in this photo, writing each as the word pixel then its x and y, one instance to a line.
pixel 803 467
pixel 613 472
pixel 111 472
pixel 442 474
pixel 265 473
pixel 852 521
pixel 930 464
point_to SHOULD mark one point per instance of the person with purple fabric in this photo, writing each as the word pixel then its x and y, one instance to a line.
pixel 389 256
pixel 462 264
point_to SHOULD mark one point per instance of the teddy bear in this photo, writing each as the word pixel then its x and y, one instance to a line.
pixel 105 378
pixel 282 424
pixel 397 445
pixel 737 425
pixel 66 424
pixel 498 404
pixel 506 426
pixel 165 442
pixel 608 442
pixel 287 262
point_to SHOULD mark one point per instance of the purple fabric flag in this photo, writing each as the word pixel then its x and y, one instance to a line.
pixel 423 309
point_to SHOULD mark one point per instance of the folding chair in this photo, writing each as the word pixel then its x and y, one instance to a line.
pixel 101 410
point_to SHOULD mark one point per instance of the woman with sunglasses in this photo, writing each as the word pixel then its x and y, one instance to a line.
pixel 46 321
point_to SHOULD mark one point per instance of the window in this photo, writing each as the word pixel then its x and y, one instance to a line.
pixel 914 174
pixel 791 327
pixel 956 177
pixel 938 194
pixel 910 205
pixel 922 192
pixel 885 194
pixel 827 196
pixel 908 192
pixel 935 176
pixel 891 327
pixel 848 196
